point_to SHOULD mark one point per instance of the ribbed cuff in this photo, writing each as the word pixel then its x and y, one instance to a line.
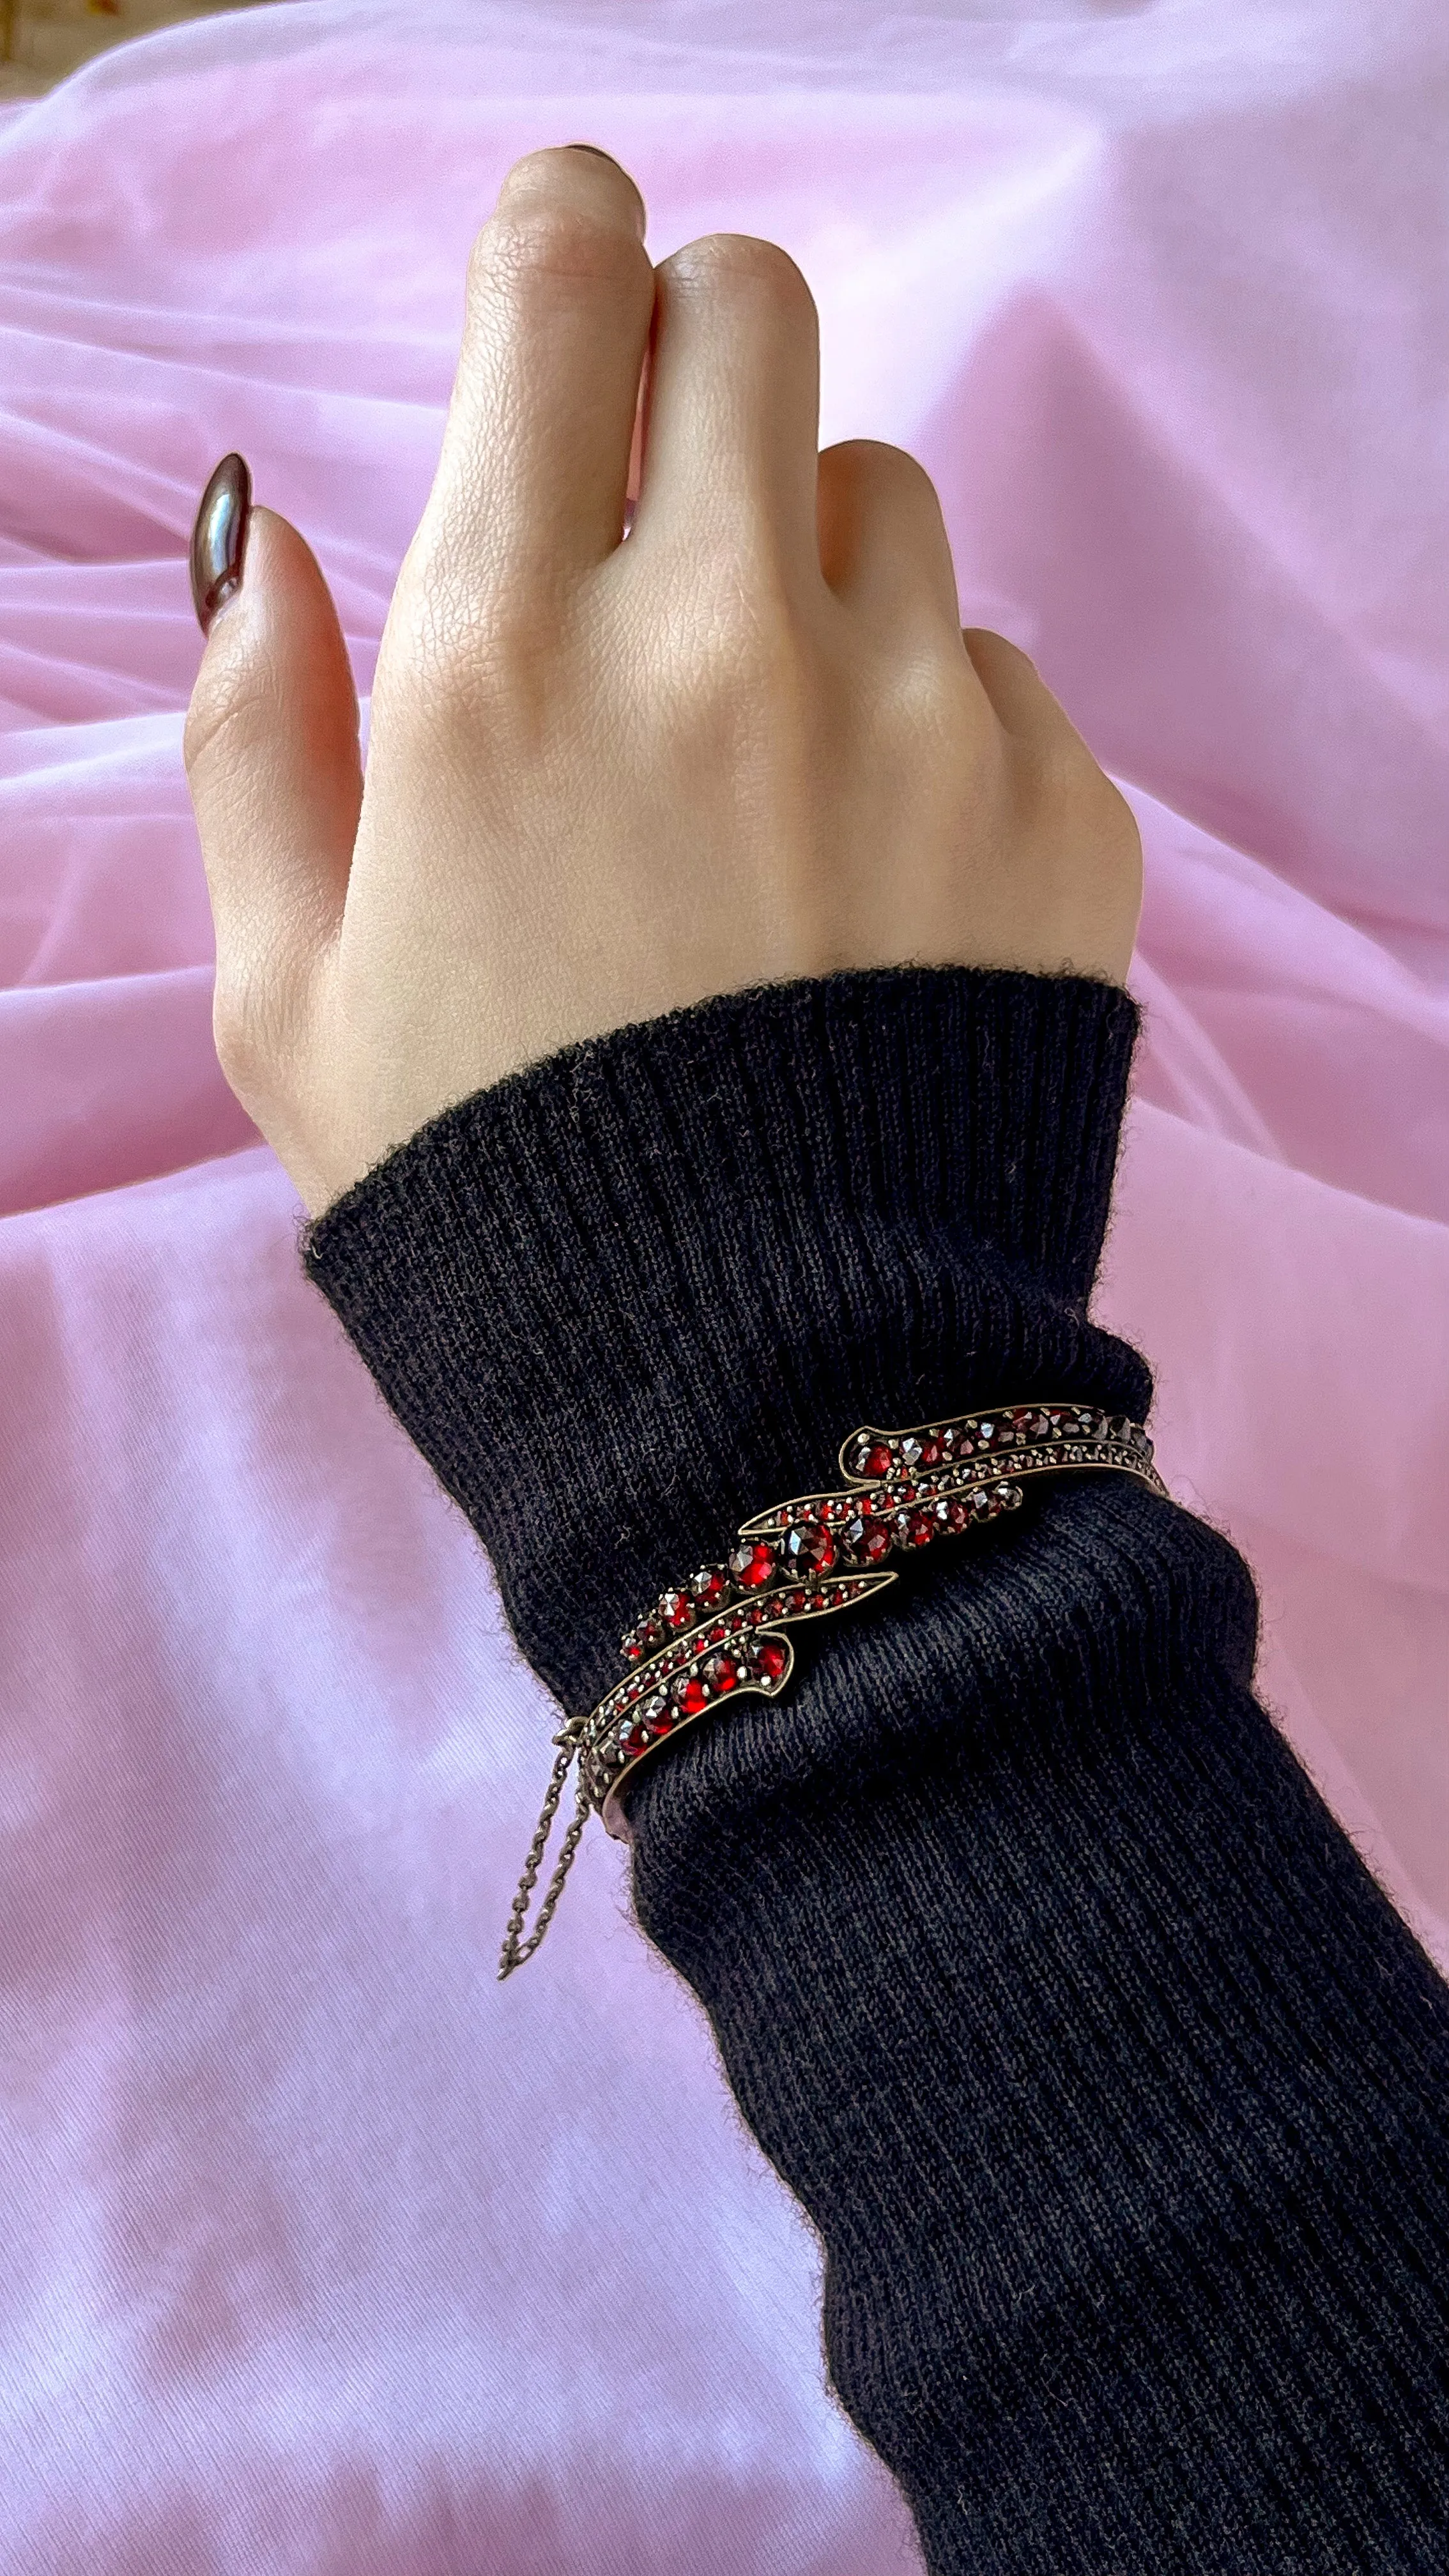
pixel 635 1293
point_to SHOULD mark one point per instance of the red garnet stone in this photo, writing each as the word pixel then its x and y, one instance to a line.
pixel 868 1540
pixel 691 1695
pixel 752 1563
pixel 809 1548
pixel 770 1657
pixel 646 1730
pixel 873 1460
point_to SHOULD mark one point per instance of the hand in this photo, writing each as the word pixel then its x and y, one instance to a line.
pixel 605 779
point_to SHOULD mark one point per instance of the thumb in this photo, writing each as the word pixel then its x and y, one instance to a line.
pixel 272 758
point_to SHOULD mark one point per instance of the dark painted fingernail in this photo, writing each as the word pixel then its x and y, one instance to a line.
pixel 219 538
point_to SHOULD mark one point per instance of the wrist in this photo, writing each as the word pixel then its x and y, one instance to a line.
pixel 633 1293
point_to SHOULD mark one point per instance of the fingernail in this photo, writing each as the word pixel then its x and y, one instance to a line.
pixel 219 538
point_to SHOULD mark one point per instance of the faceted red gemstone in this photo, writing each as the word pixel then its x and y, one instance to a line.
pixel 931 1453
pixel 795 1602
pixel 916 1528
pixel 809 1549
pixel 769 1657
pixel 958 1512
pixel 653 1721
pixel 873 1459
pixel 632 1652
pixel 709 1586
pixel 717 1636
pixel 752 1563
pixel 721 1672
pixel 868 1540
pixel 910 1452
pixel 677 1609
pixel 691 1695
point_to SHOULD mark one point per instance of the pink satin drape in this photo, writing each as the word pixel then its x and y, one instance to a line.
pixel 326 2255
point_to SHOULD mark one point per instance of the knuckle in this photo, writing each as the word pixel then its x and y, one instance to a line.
pixel 236 1034
pixel 746 659
pixel 231 716
pixel 574 174
pixel 254 1027
pixel 874 467
pixel 929 701
pixel 468 660
pixel 743 263
pixel 533 251
pixel 1067 781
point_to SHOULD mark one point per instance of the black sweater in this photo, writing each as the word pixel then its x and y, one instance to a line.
pixel 1113 2085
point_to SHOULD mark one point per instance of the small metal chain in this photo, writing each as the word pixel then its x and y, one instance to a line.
pixel 515 1950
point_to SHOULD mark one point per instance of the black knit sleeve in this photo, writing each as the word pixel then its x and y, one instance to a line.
pixel 1111 2082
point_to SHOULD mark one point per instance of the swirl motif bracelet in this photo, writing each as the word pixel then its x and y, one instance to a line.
pixel 718 1635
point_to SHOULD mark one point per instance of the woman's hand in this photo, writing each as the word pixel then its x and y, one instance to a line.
pixel 608 778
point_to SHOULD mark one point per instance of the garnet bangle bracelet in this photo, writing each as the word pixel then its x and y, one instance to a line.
pixel 718 1635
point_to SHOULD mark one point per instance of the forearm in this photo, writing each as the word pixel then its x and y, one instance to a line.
pixel 1035 1963
pixel 1111 2082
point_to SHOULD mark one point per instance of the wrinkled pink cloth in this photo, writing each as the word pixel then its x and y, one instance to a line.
pixel 327 2256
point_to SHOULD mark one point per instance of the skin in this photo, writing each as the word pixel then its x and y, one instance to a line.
pixel 606 779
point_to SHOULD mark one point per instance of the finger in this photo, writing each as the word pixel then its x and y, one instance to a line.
pixel 734 399
pixel 275 771
pixel 535 456
pixel 883 544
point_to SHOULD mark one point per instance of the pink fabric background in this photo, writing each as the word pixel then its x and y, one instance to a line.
pixel 327 2256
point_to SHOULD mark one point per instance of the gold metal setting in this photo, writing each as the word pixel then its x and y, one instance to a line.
pixel 721 1635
